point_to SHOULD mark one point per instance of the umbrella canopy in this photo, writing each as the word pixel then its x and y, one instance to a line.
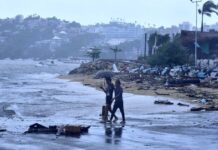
pixel 104 74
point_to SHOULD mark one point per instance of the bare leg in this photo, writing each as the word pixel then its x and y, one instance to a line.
pixel 113 112
pixel 110 110
pixel 122 112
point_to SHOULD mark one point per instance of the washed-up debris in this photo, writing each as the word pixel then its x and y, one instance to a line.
pixel 139 81
pixel 210 108
pixel 181 104
pixel 87 84
pixel 205 101
pixel 70 130
pixel 164 102
pixel 193 96
pixel 179 74
pixel 3 130
pixel 115 68
pixel 58 130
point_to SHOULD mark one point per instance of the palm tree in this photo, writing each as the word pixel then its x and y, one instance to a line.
pixel 115 50
pixel 208 8
pixel 94 53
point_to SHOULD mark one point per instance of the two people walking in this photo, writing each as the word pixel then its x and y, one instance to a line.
pixel 109 89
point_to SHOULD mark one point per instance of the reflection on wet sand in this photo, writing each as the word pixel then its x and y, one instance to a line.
pixel 113 134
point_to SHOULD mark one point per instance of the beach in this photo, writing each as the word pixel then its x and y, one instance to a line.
pixel 37 95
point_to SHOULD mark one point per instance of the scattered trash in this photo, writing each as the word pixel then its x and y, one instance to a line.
pixel 181 104
pixel 203 101
pixel 115 68
pixel 87 84
pixel 164 102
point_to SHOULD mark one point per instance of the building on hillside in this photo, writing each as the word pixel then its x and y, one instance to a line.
pixel 185 26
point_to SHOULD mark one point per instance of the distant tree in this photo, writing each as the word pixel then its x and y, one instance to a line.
pixel 18 18
pixel 94 53
pixel 74 25
pixel 115 50
pixel 208 8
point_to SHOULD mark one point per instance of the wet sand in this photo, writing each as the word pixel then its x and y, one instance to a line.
pixel 151 126
pixel 148 126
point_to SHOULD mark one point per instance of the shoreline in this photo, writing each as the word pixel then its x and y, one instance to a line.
pixel 134 88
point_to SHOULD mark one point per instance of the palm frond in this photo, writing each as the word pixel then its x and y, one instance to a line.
pixel 214 11
pixel 116 49
pixel 208 6
pixel 207 14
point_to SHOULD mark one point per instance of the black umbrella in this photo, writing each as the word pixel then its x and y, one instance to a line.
pixel 104 74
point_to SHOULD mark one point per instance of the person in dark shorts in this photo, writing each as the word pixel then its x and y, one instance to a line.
pixel 109 89
pixel 118 101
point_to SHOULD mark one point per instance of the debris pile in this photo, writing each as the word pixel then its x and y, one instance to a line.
pixel 98 65
pixel 176 76
pixel 70 130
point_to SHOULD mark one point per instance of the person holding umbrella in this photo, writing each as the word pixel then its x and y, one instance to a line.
pixel 108 90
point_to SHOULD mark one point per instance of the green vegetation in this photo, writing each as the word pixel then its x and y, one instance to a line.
pixel 115 50
pixel 170 53
pixel 156 40
pixel 36 37
pixel 94 53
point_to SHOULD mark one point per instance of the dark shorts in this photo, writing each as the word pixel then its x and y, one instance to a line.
pixel 108 100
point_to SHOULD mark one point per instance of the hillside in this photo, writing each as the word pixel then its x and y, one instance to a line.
pixel 36 37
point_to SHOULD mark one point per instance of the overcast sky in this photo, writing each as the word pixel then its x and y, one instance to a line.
pixel 159 12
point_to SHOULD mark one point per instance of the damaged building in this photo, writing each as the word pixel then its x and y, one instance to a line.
pixel 207 44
